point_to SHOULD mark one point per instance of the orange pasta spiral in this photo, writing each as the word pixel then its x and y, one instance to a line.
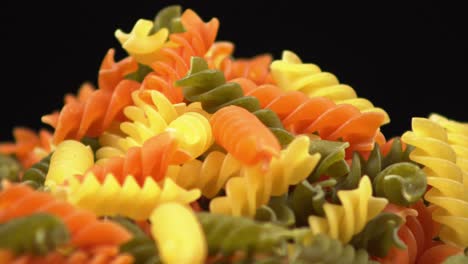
pixel 300 114
pixel 150 160
pixel 85 229
pixel 243 135
pixel 93 116
pixel 176 55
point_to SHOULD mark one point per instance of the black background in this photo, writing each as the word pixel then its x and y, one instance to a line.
pixel 410 59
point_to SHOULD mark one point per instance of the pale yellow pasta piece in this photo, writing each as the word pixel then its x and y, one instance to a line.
pixel 290 73
pixel 179 235
pixel 129 199
pixel 343 221
pixel 140 44
pixel 255 185
pixel 69 158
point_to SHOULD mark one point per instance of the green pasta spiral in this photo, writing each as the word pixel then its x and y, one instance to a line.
pixel 379 235
pixel 307 199
pixel 227 235
pixel 277 211
pixel 402 183
pixel 36 175
pixel 332 161
pixel 211 89
pixel 394 176
pixel 326 250
pixel 143 249
pixel 9 168
pixel 168 17
pixel 35 234
pixel 128 224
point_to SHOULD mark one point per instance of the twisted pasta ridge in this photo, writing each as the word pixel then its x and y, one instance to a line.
pixel 253 142
pixel 85 229
pixel 379 235
pixel 277 211
pixel 209 175
pixel 152 114
pixel 300 114
pixel 36 175
pixel 102 107
pixel 219 51
pixel 150 160
pixel 324 249
pixel 176 55
pixel 169 17
pixel 69 158
pixel 29 146
pixel 110 198
pixel 449 188
pixel 255 186
pixel 307 199
pixel 210 88
pixel 141 43
pixel 332 162
pixel 291 74
pixel 227 235
pixel 96 255
pixel 343 221
pixel 176 224
pixel 35 234
pixel 457 137
pixel 9 168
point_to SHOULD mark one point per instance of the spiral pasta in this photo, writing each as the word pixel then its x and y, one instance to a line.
pixel 228 234
pixel 324 249
pixel 143 250
pixel 449 188
pixel 300 114
pixel 103 106
pixel 209 175
pixel 175 224
pixel 150 160
pixel 151 115
pixel 343 221
pixel 128 199
pixel 253 188
pixel 243 135
pixel 34 234
pixel 457 137
pixel 255 69
pixel 292 75
pixel 70 157
pixel 85 229
pixel 36 175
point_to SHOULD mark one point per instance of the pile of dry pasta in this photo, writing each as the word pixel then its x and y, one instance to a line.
pixel 184 154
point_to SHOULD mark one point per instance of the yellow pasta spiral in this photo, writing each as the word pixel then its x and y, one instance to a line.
pixel 291 74
pixel 357 207
pixel 457 136
pixel 128 199
pixel 152 114
pixel 140 44
pixel 449 190
pixel 209 175
pixel 179 236
pixel 256 185
pixel 69 158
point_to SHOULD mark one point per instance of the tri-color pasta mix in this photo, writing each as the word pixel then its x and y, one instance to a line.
pixel 184 154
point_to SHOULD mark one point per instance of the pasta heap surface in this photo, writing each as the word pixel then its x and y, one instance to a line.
pixel 185 154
